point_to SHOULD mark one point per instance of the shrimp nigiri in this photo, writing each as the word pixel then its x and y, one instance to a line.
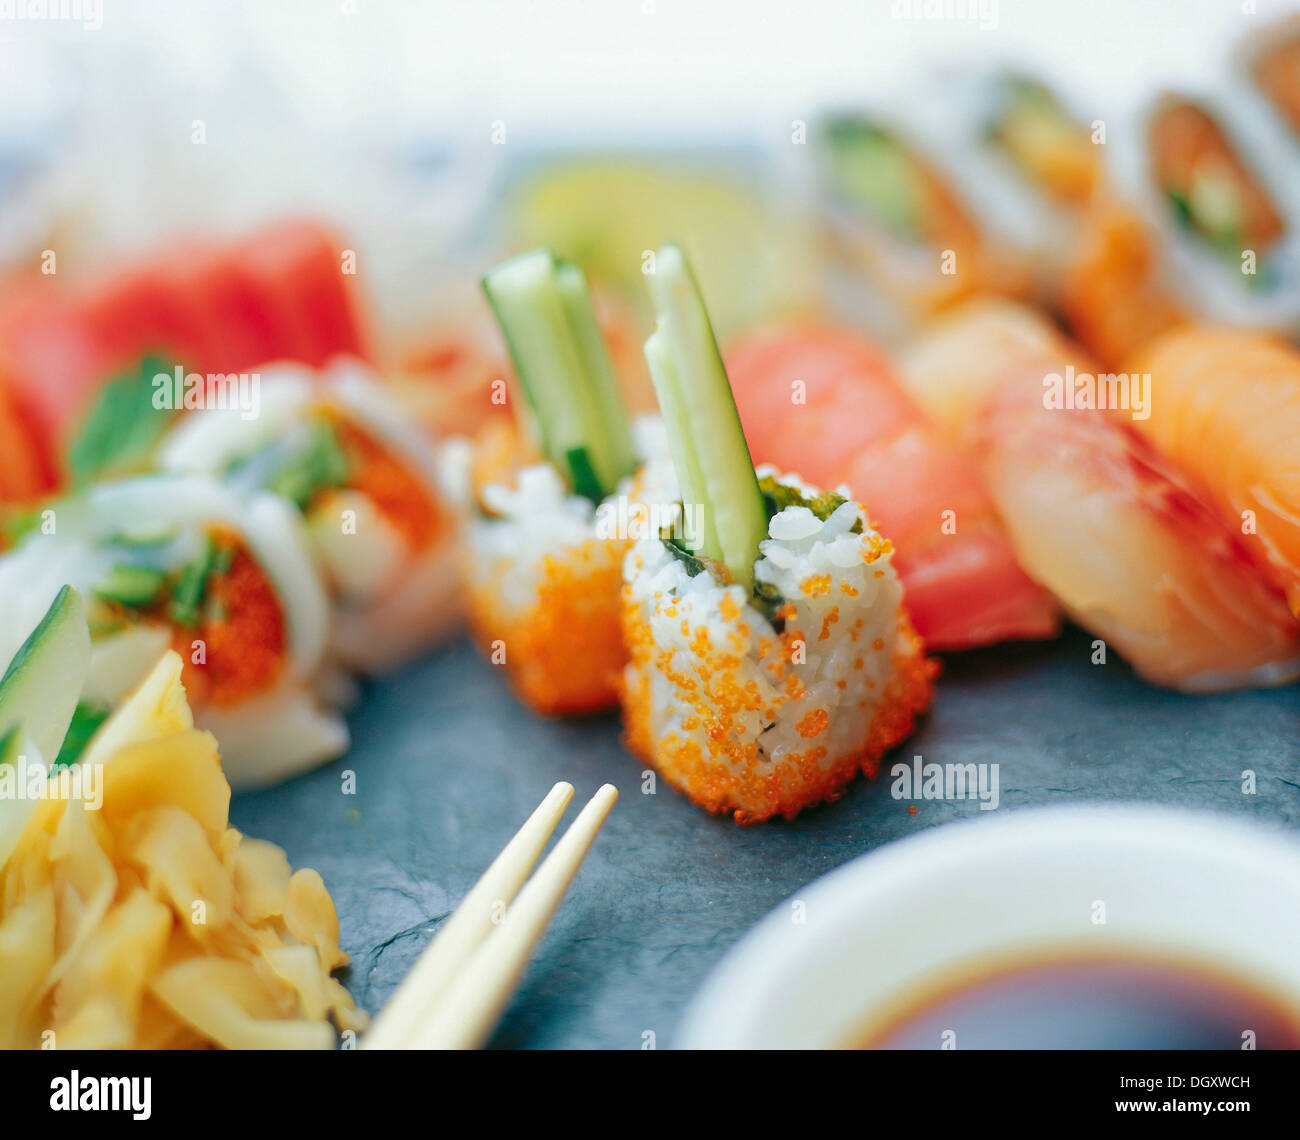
pixel 819 401
pixel 1131 546
pixel 1225 407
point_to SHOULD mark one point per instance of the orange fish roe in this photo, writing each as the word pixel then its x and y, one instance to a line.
pixel 564 653
pixel 397 492
pixel 816 585
pixel 245 641
pixel 812 724
pixel 722 768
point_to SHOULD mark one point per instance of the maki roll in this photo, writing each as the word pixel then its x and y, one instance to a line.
pixel 336 445
pixel 904 240
pixel 132 915
pixel 182 562
pixel 771 658
pixel 1203 226
pixel 546 540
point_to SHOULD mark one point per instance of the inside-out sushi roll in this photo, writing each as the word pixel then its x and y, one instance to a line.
pixel 545 542
pixel 337 446
pixel 228 581
pixel 905 240
pixel 131 914
pixel 771 657
pixel 1033 128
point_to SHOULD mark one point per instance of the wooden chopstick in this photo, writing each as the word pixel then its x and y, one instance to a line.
pixel 412 1002
pixel 456 992
pixel 470 1008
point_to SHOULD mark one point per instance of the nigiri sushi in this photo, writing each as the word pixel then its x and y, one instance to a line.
pixel 545 542
pixel 818 400
pixel 1225 408
pixel 337 446
pixel 228 581
pixel 132 916
pixel 771 657
pixel 1120 532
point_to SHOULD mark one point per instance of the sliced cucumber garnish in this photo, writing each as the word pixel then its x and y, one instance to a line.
pixel 40 689
pixel 714 468
pixel 546 315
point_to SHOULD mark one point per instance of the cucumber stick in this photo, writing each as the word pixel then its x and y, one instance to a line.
pixel 598 369
pixel 708 445
pixel 40 689
pixel 549 323
pixel 38 696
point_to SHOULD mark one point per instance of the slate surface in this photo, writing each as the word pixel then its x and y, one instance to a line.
pixel 448 765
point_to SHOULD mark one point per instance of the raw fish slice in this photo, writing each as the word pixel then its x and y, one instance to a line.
pixel 1225 408
pixel 1130 549
pixel 857 427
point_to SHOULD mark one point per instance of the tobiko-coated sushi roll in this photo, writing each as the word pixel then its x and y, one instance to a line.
pixel 182 562
pixel 338 447
pixel 771 659
pixel 544 548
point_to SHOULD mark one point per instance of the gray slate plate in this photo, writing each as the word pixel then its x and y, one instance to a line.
pixel 448 765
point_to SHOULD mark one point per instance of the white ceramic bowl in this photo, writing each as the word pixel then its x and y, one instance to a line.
pixel 1183 885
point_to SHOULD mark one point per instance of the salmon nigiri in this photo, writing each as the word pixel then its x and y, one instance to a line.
pixel 1133 548
pixel 1225 406
pixel 820 401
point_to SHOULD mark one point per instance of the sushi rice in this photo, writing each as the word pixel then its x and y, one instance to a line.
pixel 758 719
pixel 543 573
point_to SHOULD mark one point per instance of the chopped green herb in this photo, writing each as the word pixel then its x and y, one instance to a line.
pixel 131 586
pixel 768 601
pixel 778 496
pixel 582 475
pixel 318 465
pixel 187 596
pixel 123 426
pixel 86 719
pixel 694 566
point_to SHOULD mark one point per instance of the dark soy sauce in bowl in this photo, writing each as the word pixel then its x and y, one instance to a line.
pixel 1086 1002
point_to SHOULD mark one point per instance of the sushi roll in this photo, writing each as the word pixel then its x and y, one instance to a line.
pixel 771 658
pixel 546 540
pixel 336 445
pixel 903 240
pixel 167 561
pixel 132 915
pixel 1019 148
pixel 1202 226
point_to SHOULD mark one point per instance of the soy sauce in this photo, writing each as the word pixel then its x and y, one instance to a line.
pixel 1087 1003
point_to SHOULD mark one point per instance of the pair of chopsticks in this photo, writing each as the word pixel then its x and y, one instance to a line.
pixel 457 991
